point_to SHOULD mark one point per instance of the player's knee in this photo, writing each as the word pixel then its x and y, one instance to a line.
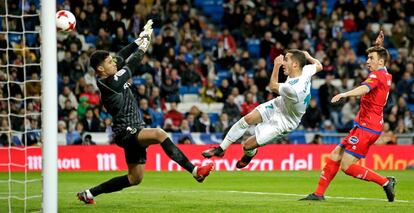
pixel 344 166
pixel 160 134
pixel 134 180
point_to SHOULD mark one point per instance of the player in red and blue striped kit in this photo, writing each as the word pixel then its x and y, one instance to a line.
pixel 368 126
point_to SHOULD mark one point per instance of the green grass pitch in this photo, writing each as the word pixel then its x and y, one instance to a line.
pixel 240 191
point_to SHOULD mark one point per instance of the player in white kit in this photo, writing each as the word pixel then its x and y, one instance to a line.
pixel 278 116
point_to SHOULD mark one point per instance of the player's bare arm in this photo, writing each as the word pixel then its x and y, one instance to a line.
pixel 274 79
pixel 313 60
pixel 359 91
pixel 379 42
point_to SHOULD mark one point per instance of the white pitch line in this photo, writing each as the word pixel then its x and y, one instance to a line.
pixel 259 193
pixel 241 192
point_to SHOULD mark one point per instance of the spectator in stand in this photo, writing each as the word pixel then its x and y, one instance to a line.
pixel 169 90
pixel 223 124
pixel 208 41
pixel 74 137
pixel 185 127
pixel 169 127
pixel 33 88
pixel 32 135
pixel 93 97
pixel 67 109
pixel 83 106
pixel 349 112
pixel 210 93
pixel 325 93
pixel 148 114
pixel 90 122
pixel 174 115
pixel 404 85
pixel 87 140
pixel 103 41
pixel 228 40
pixel 62 127
pixel 249 104
pixel 67 95
pixel 225 89
pixel 204 125
pixel 120 40
pixel 312 119
pixel 387 136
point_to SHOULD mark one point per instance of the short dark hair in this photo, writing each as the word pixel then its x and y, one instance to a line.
pixel 97 58
pixel 381 52
pixel 298 56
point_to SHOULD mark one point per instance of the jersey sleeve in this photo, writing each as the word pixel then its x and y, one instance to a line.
pixel 287 91
pixel 372 81
pixel 309 69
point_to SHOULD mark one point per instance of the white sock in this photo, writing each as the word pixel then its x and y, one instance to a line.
pixel 250 153
pixel 235 132
pixel 194 172
pixel 89 194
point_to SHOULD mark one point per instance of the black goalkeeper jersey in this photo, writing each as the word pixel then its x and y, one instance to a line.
pixel 117 96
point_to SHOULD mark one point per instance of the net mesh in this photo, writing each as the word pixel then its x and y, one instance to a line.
pixel 20 88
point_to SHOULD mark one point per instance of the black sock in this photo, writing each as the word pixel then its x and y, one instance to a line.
pixel 174 153
pixel 112 185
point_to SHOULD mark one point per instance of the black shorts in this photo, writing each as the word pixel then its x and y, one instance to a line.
pixel 134 153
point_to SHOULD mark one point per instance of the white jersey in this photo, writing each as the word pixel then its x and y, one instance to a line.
pixel 284 113
pixel 295 95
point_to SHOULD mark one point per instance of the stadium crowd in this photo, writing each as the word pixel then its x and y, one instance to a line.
pixel 222 58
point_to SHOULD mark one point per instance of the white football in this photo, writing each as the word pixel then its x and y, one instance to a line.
pixel 65 20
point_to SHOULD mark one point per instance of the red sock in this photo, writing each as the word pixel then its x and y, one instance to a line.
pixel 363 173
pixel 327 174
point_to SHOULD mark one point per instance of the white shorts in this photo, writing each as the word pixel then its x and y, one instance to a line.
pixel 274 125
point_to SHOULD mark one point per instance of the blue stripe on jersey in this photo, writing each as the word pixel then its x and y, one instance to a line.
pixel 367 129
pixel 354 154
pixel 363 83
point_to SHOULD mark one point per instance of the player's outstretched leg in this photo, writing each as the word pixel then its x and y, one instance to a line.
pixel 247 157
pixel 112 185
pixel 153 136
pixel 234 134
pixel 250 150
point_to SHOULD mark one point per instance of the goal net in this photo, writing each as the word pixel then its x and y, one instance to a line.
pixel 20 106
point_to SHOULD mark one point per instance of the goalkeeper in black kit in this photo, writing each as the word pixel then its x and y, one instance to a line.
pixel 112 79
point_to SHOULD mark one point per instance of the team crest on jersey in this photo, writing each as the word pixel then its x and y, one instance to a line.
pixel 353 140
pixel 119 73
pixel 293 82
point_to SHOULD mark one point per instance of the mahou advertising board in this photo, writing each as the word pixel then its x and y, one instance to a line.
pixel 269 158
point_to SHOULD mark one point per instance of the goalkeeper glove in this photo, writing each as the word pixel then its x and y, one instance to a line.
pixel 146 33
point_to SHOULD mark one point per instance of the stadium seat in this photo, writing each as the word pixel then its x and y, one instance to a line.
pixel 190 98
pixel 90 39
pixel 193 90
pixel 393 53
pixel 214 117
pixel 215 107
pixel 253 46
pixel 183 90
pixel 297 137
pixel 31 39
pixel 138 80
pixel 15 37
pixel 411 107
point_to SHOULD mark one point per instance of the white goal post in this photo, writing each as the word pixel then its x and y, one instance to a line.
pixel 49 105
